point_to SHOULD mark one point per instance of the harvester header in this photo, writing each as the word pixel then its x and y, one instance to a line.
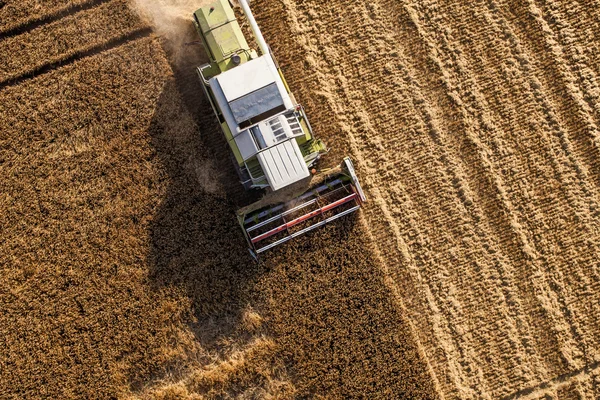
pixel 271 140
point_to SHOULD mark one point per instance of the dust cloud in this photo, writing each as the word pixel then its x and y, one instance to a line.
pixel 172 20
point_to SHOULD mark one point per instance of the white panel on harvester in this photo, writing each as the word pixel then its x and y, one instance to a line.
pixel 283 164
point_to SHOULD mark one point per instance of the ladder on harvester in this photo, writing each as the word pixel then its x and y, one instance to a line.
pixel 338 195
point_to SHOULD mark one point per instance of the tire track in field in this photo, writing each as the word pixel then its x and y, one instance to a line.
pixel 568 392
pixel 579 238
pixel 476 167
pixel 574 33
pixel 55 15
pixel 575 383
pixel 489 184
pixel 58 41
pixel 94 50
pixel 584 16
pixel 581 124
pixel 552 309
pixel 586 387
pixel 580 80
pixel 561 303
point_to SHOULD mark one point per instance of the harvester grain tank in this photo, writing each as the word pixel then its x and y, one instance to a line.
pixel 271 140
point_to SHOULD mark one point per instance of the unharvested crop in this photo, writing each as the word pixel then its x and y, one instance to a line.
pixel 128 268
pixel 78 190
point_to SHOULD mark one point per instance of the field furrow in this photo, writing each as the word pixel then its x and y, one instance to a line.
pixel 481 192
pixel 580 383
pixel 574 28
pixel 520 248
pixel 495 145
pixel 567 111
pixel 487 76
pixel 584 17
pixel 579 76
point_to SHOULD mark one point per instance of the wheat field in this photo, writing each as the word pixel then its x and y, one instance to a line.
pixel 472 272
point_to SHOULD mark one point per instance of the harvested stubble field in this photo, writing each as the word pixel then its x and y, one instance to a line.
pixel 473 272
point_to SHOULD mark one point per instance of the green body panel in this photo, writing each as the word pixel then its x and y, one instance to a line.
pixel 307 136
pixel 254 167
pixel 214 15
pixel 312 146
pixel 221 36
pixel 236 151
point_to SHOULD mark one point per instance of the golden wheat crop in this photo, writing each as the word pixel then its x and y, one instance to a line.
pixel 77 193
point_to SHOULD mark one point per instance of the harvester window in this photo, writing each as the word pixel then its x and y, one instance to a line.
pixel 261 117
pixel 292 120
pixel 277 128
pixel 255 103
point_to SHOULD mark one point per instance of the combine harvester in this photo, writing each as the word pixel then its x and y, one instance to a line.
pixel 269 134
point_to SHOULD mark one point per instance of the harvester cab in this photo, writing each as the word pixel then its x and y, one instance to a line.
pixel 271 140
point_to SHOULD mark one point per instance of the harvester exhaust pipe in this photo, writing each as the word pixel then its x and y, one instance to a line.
pixel 255 29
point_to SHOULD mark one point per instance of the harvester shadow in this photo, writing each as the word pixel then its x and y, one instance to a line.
pixel 196 242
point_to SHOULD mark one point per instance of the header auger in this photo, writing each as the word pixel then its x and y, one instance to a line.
pixel 271 140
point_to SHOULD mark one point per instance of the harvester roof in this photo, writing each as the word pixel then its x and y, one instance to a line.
pixel 283 164
pixel 250 91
